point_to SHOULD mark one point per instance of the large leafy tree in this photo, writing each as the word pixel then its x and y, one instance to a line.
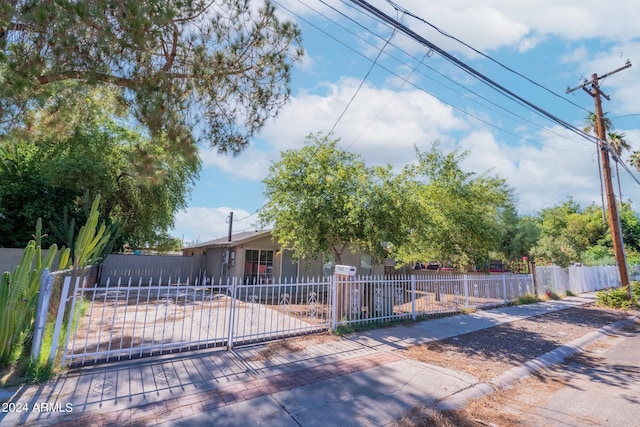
pixel 214 70
pixel 142 184
pixel 519 234
pixel 25 196
pixel 323 199
pixel 567 231
pixel 459 211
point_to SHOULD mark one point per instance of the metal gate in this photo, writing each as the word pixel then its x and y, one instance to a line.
pixel 125 320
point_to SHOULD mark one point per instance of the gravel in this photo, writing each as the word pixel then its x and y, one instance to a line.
pixel 488 353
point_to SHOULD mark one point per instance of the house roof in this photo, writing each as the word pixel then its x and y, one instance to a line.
pixel 236 239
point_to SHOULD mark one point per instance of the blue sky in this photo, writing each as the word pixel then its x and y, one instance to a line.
pixel 412 97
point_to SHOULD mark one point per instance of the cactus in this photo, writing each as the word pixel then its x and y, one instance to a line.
pixel 19 296
pixel 91 243
pixel 19 289
pixel 7 316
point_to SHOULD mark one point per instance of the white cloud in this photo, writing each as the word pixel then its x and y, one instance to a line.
pixel 199 224
pixel 577 55
pixel 381 124
pixel 252 164
pixel 493 24
pixel 541 175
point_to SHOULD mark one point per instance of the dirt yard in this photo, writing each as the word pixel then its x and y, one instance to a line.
pixel 488 353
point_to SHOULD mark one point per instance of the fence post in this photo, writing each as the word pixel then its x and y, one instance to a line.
pixel 46 281
pixel 60 318
pixel 234 282
pixel 413 296
pixel 532 270
pixel 465 281
pixel 333 301
pixel 504 287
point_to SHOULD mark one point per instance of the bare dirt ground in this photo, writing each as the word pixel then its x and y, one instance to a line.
pixel 488 353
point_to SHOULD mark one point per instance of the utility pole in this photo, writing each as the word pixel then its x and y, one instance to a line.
pixel 614 220
pixel 230 222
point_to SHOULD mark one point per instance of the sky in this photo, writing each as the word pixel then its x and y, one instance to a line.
pixel 385 94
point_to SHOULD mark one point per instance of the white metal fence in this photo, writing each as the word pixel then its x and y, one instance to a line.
pixel 374 299
pixel 125 320
pixel 576 278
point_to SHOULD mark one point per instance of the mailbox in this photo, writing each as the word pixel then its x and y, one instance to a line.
pixel 345 270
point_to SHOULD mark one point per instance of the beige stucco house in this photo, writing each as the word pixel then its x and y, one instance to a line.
pixel 255 255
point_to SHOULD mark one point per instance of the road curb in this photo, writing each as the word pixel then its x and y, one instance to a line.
pixel 556 356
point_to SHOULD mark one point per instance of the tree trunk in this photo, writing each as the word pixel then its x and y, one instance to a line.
pixel 337 255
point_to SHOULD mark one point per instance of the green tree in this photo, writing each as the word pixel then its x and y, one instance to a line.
pixel 567 232
pixel 459 212
pixel 142 183
pixel 25 196
pixel 217 70
pixel 519 234
pixel 322 199
pixel 630 224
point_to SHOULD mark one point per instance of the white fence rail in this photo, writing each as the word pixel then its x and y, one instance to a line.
pixel 375 299
pixel 128 319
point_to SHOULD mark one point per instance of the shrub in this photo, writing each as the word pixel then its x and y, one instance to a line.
pixel 619 297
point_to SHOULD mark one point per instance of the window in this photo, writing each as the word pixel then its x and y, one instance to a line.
pixel 258 266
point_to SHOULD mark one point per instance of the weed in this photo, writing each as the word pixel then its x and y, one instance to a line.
pixel 526 299
pixel 570 294
pixel 36 372
pixel 359 327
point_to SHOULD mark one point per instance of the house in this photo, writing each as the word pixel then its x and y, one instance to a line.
pixel 256 256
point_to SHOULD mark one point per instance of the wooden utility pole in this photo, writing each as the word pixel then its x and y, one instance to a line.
pixel 230 222
pixel 614 220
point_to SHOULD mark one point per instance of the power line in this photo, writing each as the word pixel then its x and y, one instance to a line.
pixel 468 69
pixel 511 70
pixel 373 64
pixel 341 41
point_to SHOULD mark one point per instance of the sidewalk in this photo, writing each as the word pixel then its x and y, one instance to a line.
pixel 355 380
